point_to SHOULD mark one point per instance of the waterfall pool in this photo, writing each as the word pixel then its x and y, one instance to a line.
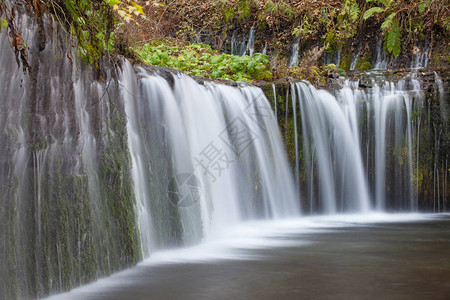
pixel 373 256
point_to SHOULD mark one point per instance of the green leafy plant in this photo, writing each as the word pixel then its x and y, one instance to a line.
pixel 201 60
pixel 332 68
pixel 347 19
pixel 390 25
pixel 94 23
pixel 337 24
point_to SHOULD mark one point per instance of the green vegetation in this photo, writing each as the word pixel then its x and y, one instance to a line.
pixel 94 23
pixel 399 17
pixel 103 27
pixel 202 60
pixel 390 25
pixel 3 23
pixel 331 25
pixel 340 24
pixel 364 62
pixel 118 199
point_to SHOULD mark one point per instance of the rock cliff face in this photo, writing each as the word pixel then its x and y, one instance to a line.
pixel 65 190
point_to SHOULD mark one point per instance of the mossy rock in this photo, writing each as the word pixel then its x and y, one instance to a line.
pixel 346 61
pixel 365 66
pixel 364 62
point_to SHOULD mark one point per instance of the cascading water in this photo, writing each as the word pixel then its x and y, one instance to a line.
pixel 333 57
pixel 331 142
pixel 264 50
pixel 420 60
pixel 251 42
pixel 365 149
pixel 224 138
pixel 355 59
pixel 382 60
pixel 243 46
pixel 441 198
pixel 293 59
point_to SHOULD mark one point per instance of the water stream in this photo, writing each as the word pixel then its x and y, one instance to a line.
pixel 293 58
pixel 222 142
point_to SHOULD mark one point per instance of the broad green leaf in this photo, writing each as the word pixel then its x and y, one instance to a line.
pixel 393 44
pixel 388 21
pixel 217 59
pixel 370 12
pixel 386 3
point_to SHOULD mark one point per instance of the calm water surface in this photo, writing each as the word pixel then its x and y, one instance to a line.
pixel 316 258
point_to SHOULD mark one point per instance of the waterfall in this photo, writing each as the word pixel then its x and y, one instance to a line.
pixel 251 41
pixel 355 59
pixel 97 173
pixel 66 203
pixel 442 98
pixel 293 59
pixel 243 46
pixel 381 60
pixel 420 60
pixel 333 57
pixel 101 168
pixel 264 51
pixel 225 139
pixel 330 142
pixel 379 148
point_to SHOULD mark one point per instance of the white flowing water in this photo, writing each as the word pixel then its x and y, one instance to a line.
pixel 330 141
pixel 225 137
pixel 245 45
pixel 264 51
pixel 359 150
pixel 442 98
pixel 391 105
pixel 445 118
pixel 420 60
pixel 333 57
pixel 251 42
pixel 293 59
pixel 382 60
pixel 355 59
